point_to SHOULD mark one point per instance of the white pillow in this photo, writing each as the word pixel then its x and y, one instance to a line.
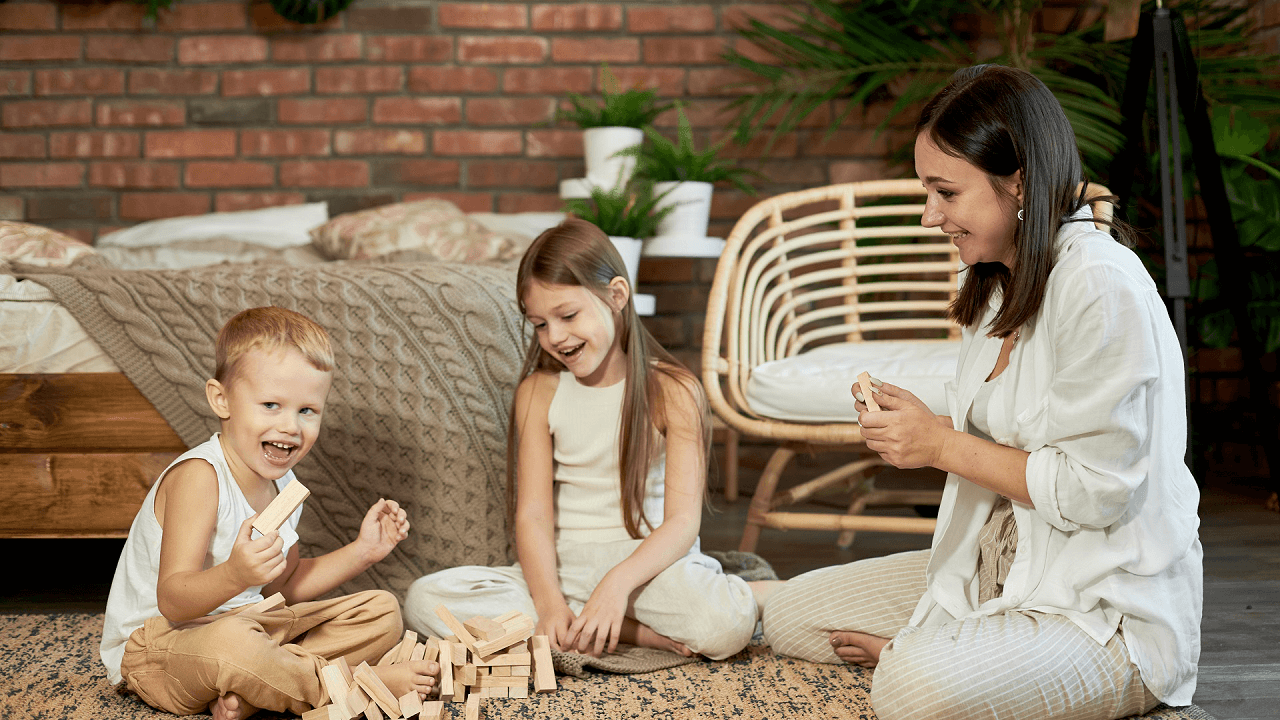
pixel 277 227
pixel 814 386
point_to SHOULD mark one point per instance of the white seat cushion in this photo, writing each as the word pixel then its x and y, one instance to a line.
pixel 814 386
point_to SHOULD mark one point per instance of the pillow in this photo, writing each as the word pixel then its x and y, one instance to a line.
pixel 29 244
pixel 436 229
pixel 274 227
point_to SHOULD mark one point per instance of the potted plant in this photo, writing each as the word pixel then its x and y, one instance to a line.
pixel 684 179
pixel 609 125
pixel 628 214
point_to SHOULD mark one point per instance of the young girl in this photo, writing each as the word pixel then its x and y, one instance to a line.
pixel 607 458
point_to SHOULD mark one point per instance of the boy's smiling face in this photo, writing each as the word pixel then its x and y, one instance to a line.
pixel 270 409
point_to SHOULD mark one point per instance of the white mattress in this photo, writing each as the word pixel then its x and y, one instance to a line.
pixel 39 336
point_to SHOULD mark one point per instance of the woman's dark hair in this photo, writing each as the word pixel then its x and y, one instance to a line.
pixel 1002 120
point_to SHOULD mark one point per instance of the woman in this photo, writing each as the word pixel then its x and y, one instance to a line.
pixel 1064 578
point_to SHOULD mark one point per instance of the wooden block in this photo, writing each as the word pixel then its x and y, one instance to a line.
pixel 266 605
pixel 419 652
pixel 489 647
pixel 473 708
pixel 518 620
pixel 501 671
pixel 432 710
pixel 433 649
pixel 389 656
pixel 459 654
pixel 868 397
pixel 461 692
pixel 325 712
pixel 544 673
pixel 519 648
pixel 405 648
pixel 378 690
pixel 279 510
pixel 509 659
pixel 469 675
pixel 504 617
pixel 519 691
pixel 457 628
pixel 371 712
pixel 496 681
pixel 410 704
pixel 483 628
pixel 341 663
pixel 521 670
pixel 335 684
pixel 357 701
pixel 446 670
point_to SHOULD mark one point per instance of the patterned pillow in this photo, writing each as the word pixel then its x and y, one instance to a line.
pixel 28 244
pixel 435 228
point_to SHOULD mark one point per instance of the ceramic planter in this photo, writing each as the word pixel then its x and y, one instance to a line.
pixel 600 144
pixel 629 249
pixel 692 208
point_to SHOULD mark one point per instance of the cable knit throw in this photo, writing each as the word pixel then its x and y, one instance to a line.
pixel 427 357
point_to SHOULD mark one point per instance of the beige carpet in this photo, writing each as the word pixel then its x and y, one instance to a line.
pixel 52 672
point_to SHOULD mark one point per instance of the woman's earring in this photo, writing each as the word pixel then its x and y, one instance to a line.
pixel 1019 213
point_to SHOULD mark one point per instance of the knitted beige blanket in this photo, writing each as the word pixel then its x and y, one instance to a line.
pixel 427 357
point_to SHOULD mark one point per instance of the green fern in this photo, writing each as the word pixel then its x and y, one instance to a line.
pixel 626 211
pixel 632 108
pixel 664 161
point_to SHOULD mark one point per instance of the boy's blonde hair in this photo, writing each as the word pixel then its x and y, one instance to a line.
pixel 270 329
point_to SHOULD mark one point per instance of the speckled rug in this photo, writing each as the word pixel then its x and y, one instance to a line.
pixel 52 672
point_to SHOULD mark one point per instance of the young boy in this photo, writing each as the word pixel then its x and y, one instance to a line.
pixel 177 629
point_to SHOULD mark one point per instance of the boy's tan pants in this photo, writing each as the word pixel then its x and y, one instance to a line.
pixel 272 660
pixel 1014 665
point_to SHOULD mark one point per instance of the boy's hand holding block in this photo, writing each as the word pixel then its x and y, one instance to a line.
pixel 868 397
pixel 279 510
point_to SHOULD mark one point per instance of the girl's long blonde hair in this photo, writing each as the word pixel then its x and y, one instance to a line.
pixel 578 253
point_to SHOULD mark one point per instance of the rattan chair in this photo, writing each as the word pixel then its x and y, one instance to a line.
pixel 842 264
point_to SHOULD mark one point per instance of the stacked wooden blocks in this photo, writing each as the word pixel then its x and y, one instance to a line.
pixel 484 658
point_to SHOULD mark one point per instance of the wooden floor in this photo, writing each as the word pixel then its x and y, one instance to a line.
pixel 1239 663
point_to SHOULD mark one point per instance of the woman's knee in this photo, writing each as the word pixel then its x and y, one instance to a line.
pixel 918 683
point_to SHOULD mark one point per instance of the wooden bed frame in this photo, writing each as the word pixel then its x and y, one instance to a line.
pixel 78 453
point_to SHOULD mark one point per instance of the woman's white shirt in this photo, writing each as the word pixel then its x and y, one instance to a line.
pixel 1095 393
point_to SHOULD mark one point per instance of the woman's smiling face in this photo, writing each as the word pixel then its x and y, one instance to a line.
pixel 964 204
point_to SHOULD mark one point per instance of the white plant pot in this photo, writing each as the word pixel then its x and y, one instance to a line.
pixel 599 145
pixel 629 249
pixel 692 208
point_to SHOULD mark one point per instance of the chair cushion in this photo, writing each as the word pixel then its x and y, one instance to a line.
pixel 815 386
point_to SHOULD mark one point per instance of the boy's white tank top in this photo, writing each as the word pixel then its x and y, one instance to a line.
pixel 585 423
pixel 132 600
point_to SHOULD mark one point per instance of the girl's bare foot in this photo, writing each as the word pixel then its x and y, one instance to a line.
pixel 643 636
pixel 858 648
pixel 231 707
pixel 417 675
pixel 762 590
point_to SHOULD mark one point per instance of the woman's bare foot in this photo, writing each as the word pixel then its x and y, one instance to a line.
pixel 762 590
pixel 640 635
pixel 231 707
pixel 858 648
pixel 417 675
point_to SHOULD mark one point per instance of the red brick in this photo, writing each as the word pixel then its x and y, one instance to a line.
pixel 316 48
pixel 22 145
pixel 512 173
pixel 129 48
pixel 466 202
pixel 15 208
pixel 411 48
pixel 673 18
pixel 102 16
pixel 95 144
pixel 843 171
pixel 804 173
pixel 388 18
pixel 429 79
pixel 548 80
pixel 135 175
pixel 96 81
pixel 701 113
pixel 46 113
pixel 324 173
pixel 189 143
pixel 663 80
pixel 778 15
pixel 753 52
pixel 202 17
pixel 513 49
pixel 413 110
pixel 28 16
pixel 477 142
pixel 150 81
pixel 417 172
pixel 263 17
pixel 596 50
pixel 236 201
pixel 483 16
pixel 222 49
pixel 684 50
pixel 577 16
pixel 730 204
pixel 361 79
pixel 262 82
pixel 152 206
pixel 15 82
pixel 135 113
pixel 266 143
pixel 229 174
pixel 529 202
pixel 553 143
pixel 845 143
pixel 39 47
pixel 721 81
pixel 43 174
pixel 379 142
pixel 322 111
pixel 509 111
pixel 760 146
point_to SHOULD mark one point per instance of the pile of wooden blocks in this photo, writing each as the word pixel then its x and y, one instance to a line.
pixel 484 658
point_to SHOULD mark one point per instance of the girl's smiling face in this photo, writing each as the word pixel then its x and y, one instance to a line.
pixel 576 327
pixel 962 201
